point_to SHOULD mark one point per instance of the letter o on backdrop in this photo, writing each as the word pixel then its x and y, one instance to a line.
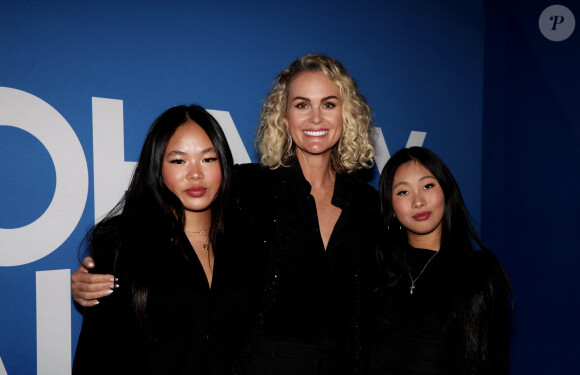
pixel 38 239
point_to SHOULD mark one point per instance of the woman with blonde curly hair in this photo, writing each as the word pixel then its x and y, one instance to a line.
pixel 306 226
pixel 314 221
pixel 354 149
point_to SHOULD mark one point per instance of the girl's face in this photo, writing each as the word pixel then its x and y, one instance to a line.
pixel 314 113
pixel 419 204
pixel 191 168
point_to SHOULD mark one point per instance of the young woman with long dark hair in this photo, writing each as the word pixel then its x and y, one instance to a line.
pixel 160 241
pixel 443 303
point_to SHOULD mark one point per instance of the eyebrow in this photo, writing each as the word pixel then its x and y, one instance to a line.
pixel 420 179
pixel 205 151
pixel 175 152
pixel 308 99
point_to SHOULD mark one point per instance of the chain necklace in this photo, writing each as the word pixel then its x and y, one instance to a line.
pixel 412 288
pixel 205 244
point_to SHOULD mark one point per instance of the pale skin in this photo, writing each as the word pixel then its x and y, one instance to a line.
pixel 191 170
pixel 314 121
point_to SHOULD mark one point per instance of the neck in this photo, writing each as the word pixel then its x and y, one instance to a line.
pixel 197 221
pixel 316 168
pixel 429 241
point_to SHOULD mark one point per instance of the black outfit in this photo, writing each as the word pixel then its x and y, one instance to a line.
pixel 312 314
pixel 305 305
pixel 422 333
pixel 188 328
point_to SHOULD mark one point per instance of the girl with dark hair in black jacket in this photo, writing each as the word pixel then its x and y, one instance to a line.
pixel 443 305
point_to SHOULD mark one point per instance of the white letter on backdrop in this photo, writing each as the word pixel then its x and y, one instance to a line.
pixel 53 331
pixel 416 139
pixel 2 368
pixel 227 123
pixel 38 239
pixel 382 154
pixel 111 172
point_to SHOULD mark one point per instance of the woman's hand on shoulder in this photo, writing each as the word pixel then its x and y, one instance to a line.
pixel 87 287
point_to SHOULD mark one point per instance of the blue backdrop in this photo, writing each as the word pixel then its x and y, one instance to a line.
pixel 531 165
pixel 77 78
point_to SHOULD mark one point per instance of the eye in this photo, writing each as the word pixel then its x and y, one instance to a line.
pixel 301 105
pixel 329 105
pixel 210 160
pixel 402 192
pixel 429 186
pixel 177 161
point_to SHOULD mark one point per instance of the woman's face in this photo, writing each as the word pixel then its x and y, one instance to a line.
pixel 418 203
pixel 191 168
pixel 314 113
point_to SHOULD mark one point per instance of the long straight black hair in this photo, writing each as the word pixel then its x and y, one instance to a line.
pixel 147 190
pixel 152 217
pixel 459 241
pixel 457 230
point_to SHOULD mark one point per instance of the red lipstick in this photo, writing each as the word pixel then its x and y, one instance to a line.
pixel 196 191
pixel 422 216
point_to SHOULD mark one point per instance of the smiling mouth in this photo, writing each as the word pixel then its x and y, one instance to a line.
pixel 316 133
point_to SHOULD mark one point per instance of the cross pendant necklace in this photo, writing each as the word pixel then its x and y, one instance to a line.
pixel 412 288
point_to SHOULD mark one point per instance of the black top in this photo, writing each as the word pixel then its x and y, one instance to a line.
pixel 422 333
pixel 271 274
pixel 312 295
pixel 189 329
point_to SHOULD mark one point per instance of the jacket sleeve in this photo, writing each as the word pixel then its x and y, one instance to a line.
pixel 109 331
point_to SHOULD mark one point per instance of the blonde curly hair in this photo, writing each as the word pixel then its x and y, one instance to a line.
pixel 354 149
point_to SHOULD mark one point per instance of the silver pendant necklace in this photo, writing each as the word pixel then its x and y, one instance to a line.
pixel 412 288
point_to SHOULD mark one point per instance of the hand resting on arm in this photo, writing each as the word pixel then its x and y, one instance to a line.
pixel 87 288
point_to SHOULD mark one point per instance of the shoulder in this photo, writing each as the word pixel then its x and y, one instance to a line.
pixel 486 274
pixel 252 173
pixel 106 239
pixel 361 193
pixel 108 230
pixel 356 183
pixel 253 188
pixel 251 169
pixel 251 179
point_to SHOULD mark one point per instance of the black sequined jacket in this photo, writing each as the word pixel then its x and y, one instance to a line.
pixel 273 221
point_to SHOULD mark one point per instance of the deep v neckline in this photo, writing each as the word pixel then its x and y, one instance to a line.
pixel 199 263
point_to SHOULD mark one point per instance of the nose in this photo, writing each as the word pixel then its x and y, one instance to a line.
pixel 194 173
pixel 418 202
pixel 316 116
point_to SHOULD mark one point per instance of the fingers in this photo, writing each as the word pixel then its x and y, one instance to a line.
pixel 89 299
pixel 87 288
pixel 88 263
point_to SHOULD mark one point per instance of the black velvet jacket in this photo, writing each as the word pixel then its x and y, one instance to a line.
pixel 310 295
pixel 188 328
